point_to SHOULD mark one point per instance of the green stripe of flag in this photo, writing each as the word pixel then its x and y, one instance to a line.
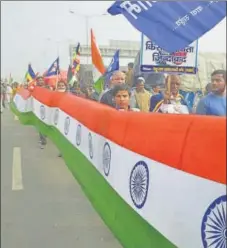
pixel 99 85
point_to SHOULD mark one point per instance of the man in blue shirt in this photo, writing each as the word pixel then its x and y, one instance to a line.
pixel 215 102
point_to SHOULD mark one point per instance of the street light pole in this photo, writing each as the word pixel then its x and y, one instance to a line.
pixel 87 36
pixel 56 43
pixel 87 17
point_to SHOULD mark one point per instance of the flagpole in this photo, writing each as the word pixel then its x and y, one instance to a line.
pixel 57 81
pixel 58 63
pixel 87 36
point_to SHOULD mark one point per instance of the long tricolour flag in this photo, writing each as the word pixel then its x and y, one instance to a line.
pixel 163 186
pixel 98 65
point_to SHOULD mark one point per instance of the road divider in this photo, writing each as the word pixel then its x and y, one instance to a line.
pixel 17 181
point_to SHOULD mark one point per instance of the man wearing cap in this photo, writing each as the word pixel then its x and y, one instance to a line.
pixel 140 97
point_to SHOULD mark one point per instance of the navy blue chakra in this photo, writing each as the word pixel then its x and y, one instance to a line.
pixel 106 159
pixel 90 146
pixel 67 125
pixel 56 117
pixel 139 184
pixel 213 230
pixel 42 112
pixel 78 135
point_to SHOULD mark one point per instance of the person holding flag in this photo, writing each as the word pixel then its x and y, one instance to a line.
pixel 170 101
pixel 38 80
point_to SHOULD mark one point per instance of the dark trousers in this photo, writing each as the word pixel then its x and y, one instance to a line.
pixel 42 139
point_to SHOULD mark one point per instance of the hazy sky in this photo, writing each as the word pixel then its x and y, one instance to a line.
pixel 30 31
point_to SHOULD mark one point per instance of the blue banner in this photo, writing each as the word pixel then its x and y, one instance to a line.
pixel 171 25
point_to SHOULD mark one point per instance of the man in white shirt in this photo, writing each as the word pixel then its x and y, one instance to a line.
pixel 170 101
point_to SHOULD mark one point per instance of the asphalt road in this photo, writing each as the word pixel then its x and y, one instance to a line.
pixel 42 205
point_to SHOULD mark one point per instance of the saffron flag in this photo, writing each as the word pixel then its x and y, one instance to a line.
pixel 172 25
pixel 98 66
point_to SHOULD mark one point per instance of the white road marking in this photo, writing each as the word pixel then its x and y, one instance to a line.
pixel 17 182
pixel 16 118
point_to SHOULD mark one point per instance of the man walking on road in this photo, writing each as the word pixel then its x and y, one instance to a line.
pixel 3 94
pixel 42 138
